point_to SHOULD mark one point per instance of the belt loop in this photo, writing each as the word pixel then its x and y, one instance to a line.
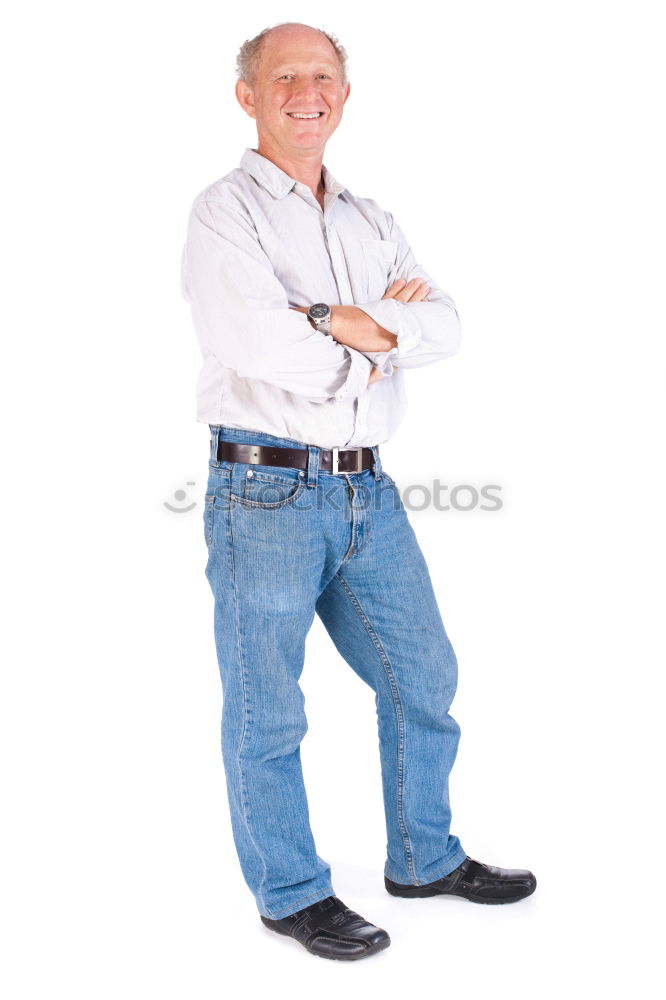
pixel 378 462
pixel 313 465
pixel 214 438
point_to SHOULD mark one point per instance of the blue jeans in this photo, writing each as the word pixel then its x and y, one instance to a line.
pixel 282 544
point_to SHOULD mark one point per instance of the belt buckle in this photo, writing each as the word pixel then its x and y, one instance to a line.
pixel 335 460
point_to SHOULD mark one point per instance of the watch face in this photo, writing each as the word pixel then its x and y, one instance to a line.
pixel 319 310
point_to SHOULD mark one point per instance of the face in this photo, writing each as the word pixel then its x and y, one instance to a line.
pixel 298 72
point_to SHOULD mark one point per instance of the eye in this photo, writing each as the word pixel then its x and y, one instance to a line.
pixel 325 75
pixel 284 76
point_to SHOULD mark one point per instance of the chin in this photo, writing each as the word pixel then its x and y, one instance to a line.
pixel 311 142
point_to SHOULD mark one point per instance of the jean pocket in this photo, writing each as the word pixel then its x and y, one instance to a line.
pixel 389 498
pixel 270 491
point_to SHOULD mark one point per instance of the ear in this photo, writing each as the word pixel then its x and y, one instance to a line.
pixel 347 89
pixel 245 98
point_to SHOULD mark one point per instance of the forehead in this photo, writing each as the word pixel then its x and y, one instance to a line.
pixel 304 49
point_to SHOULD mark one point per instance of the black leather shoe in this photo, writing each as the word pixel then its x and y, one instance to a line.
pixel 330 929
pixel 475 881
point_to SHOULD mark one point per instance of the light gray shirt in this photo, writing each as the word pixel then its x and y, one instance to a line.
pixel 257 243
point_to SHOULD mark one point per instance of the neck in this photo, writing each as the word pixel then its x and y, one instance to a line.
pixel 305 167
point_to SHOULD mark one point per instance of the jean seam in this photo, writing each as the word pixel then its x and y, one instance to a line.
pixel 241 742
pixel 400 719
pixel 315 895
pixel 209 500
pixel 239 640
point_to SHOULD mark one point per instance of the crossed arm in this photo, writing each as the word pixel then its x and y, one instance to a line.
pixel 240 311
pixel 354 328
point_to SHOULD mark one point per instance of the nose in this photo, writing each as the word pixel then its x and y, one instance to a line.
pixel 308 90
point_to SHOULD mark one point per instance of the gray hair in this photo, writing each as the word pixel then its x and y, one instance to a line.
pixel 247 60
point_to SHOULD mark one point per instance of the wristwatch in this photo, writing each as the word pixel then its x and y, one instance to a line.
pixel 319 315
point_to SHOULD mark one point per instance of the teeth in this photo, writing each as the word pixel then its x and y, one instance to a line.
pixel 297 114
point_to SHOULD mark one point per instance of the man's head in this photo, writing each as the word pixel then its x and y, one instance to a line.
pixel 290 69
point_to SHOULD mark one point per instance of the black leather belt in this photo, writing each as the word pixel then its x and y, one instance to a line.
pixel 334 460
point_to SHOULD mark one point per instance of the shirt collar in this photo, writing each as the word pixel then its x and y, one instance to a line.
pixel 275 180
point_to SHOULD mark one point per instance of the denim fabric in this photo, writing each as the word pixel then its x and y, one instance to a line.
pixel 282 545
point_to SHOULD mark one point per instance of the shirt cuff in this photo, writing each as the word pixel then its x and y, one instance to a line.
pixel 397 318
pixel 382 360
pixel 357 376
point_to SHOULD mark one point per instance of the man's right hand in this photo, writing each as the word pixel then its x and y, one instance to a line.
pixel 407 291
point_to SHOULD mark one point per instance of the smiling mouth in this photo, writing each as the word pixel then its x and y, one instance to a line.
pixel 305 116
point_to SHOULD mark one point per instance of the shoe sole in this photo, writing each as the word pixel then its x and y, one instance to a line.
pixel 419 892
pixel 371 950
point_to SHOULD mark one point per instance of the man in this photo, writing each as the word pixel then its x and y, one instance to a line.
pixel 309 305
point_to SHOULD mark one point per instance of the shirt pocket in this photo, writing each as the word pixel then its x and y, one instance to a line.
pixel 386 249
pixel 379 256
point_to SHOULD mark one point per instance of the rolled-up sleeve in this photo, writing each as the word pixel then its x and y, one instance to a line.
pixel 241 313
pixel 427 331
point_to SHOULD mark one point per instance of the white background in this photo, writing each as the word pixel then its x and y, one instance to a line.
pixel 520 147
